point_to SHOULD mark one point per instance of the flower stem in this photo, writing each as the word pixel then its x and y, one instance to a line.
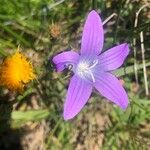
pixel 94 4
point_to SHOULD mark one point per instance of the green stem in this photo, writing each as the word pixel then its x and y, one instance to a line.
pixel 117 21
pixel 94 4
pixel 52 132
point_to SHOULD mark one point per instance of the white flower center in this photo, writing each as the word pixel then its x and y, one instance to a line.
pixel 85 69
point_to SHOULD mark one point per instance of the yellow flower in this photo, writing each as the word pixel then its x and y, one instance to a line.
pixel 15 72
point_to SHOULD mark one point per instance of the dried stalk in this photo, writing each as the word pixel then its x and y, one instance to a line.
pixel 144 64
pixel 142 51
pixel 111 16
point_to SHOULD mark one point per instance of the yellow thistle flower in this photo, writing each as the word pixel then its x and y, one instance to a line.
pixel 15 72
pixel 55 30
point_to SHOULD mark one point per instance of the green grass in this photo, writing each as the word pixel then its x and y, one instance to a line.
pixel 27 23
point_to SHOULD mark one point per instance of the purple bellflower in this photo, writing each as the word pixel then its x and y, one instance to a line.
pixel 92 68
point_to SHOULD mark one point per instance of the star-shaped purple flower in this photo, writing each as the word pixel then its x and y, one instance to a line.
pixel 92 69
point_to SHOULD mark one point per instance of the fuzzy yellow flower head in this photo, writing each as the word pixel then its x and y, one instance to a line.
pixel 15 72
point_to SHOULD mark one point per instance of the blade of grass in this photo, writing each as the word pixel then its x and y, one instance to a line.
pixel 3 53
pixel 55 4
pixel 17 36
pixel 22 117
pixel 94 4
pixel 52 132
pixel 128 70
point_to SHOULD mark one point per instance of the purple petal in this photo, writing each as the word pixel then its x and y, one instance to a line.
pixel 60 67
pixel 64 58
pixel 110 87
pixel 114 57
pixel 78 94
pixel 93 35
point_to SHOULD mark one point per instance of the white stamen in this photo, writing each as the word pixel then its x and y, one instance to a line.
pixel 84 69
pixel 69 66
pixel 93 79
pixel 95 62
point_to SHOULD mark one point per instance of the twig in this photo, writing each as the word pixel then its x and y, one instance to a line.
pixel 107 19
pixel 134 43
pixel 135 54
pixel 143 61
pixel 142 50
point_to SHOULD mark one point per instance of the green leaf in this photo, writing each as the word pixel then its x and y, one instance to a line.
pixel 128 70
pixel 21 117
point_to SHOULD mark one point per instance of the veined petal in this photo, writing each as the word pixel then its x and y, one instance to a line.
pixel 60 67
pixel 78 94
pixel 64 58
pixel 93 35
pixel 109 86
pixel 114 57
